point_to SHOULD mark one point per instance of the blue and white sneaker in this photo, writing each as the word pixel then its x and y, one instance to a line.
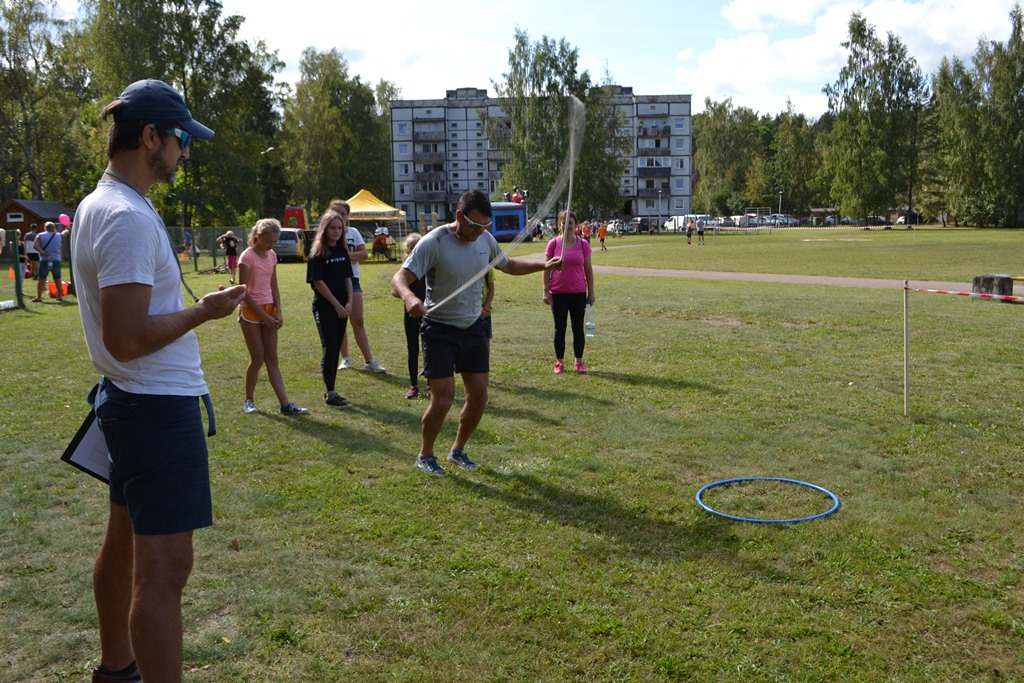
pixel 428 464
pixel 462 460
pixel 294 409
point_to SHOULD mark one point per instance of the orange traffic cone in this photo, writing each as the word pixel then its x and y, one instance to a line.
pixel 10 273
pixel 182 256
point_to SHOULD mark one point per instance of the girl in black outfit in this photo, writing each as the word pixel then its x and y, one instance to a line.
pixel 329 273
pixel 412 326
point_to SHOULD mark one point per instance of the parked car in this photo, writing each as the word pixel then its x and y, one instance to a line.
pixel 843 220
pixel 641 224
pixel 291 245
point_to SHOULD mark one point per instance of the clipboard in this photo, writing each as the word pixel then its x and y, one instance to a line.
pixel 88 450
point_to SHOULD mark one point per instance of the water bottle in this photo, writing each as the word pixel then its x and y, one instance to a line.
pixel 589 323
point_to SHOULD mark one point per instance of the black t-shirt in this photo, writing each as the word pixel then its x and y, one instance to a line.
pixel 333 271
pixel 230 246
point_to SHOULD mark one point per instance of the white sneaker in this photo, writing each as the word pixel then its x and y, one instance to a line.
pixel 374 366
pixel 345 364
pixel 249 407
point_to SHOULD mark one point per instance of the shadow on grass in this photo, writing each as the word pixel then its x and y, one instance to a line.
pixel 667 383
pixel 635 533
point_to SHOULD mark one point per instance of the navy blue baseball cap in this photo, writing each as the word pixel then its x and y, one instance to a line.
pixel 154 101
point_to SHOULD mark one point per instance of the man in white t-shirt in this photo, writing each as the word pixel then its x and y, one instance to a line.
pixel 140 337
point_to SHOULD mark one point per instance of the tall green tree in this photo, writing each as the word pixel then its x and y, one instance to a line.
pixel 726 144
pixel 979 131
pixel 795 162
pixel 335 136
pixel 41 96
pixel 877 101
pixel 535 133
pixel 227 84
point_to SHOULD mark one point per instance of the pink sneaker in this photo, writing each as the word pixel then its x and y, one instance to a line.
pixel 580 368
pixel 558 367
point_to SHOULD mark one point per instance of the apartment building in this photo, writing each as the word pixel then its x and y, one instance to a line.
pixel 440 149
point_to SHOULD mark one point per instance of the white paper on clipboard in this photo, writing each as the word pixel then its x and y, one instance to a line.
pixel 88 450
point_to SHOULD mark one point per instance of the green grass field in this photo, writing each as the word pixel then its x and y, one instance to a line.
pixel 577 552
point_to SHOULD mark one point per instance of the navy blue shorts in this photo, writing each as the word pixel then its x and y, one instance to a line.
pixel 448 349
pixel 47 266
pixel 356 289
pixel 159 466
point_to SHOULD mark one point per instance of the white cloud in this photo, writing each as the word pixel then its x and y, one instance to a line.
pixel 793 48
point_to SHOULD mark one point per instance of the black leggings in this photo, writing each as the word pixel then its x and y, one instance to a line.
pixel 575 306
pixel 412 346
pixel 332 333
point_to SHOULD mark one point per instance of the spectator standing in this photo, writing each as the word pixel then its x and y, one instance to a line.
pixel 229 242
pixel 569 290
pixel 48 248
pixel 29 242
pixel 451 257
pixel 260 315
pixel 357 251
pixel 140 337
pixel 700 231
pixel 602 232
pixel 329 273
pixel 412 325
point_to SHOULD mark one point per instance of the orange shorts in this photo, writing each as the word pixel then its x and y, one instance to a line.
pixel 250 316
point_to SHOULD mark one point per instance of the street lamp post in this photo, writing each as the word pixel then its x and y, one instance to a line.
pixel 259 193
pixel 659 210
pixel 780 201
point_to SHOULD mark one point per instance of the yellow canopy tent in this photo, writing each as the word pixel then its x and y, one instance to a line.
pixel 365 206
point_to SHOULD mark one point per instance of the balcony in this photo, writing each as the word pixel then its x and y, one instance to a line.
pixel 430 176
pixel 648 193
pixel 653 152
pixel 654 131
pixel 655 172
pixel 428 196
pixel 428 157
pixel 428 136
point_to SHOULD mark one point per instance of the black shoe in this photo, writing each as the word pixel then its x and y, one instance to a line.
pixel 337 401
pixel 413 392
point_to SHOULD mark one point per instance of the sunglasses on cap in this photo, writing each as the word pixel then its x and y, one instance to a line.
pixel 477 226
pixel 184 136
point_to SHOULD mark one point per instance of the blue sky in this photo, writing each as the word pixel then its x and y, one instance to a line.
pixel 758 52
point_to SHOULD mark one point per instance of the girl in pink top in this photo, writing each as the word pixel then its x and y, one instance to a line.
pixel 568 291
pixel 260 314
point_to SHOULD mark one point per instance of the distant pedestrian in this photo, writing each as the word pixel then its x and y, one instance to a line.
pixel 260 314
pixel 689 231
pixel 229 241
pixel 602 232
pixel 48 246
pixel 700 231
pixel 32 256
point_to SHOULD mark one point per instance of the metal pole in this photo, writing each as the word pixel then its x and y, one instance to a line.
pixel 906 348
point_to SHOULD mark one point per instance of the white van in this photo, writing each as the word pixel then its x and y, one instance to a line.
pixel 675 224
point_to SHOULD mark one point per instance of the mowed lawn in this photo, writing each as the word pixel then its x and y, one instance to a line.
pixel 577 552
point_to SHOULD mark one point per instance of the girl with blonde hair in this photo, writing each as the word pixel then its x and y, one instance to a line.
pixel 260 314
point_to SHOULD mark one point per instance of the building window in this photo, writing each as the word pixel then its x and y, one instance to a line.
pixel 680 124
pixel 401 189
pixel 649 204
pixel 455 125
pixel 680 143
pixel 15 218
pixel 679 184
pixel 403 148
pixel 403 129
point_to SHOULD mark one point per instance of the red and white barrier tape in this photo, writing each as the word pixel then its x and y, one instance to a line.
pixel 975 295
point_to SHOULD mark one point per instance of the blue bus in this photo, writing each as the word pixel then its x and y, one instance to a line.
pixel 508 219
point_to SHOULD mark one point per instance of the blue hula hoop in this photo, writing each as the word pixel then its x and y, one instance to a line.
pixel 755 520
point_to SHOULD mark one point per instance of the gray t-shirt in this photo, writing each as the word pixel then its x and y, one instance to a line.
pixel 448 263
